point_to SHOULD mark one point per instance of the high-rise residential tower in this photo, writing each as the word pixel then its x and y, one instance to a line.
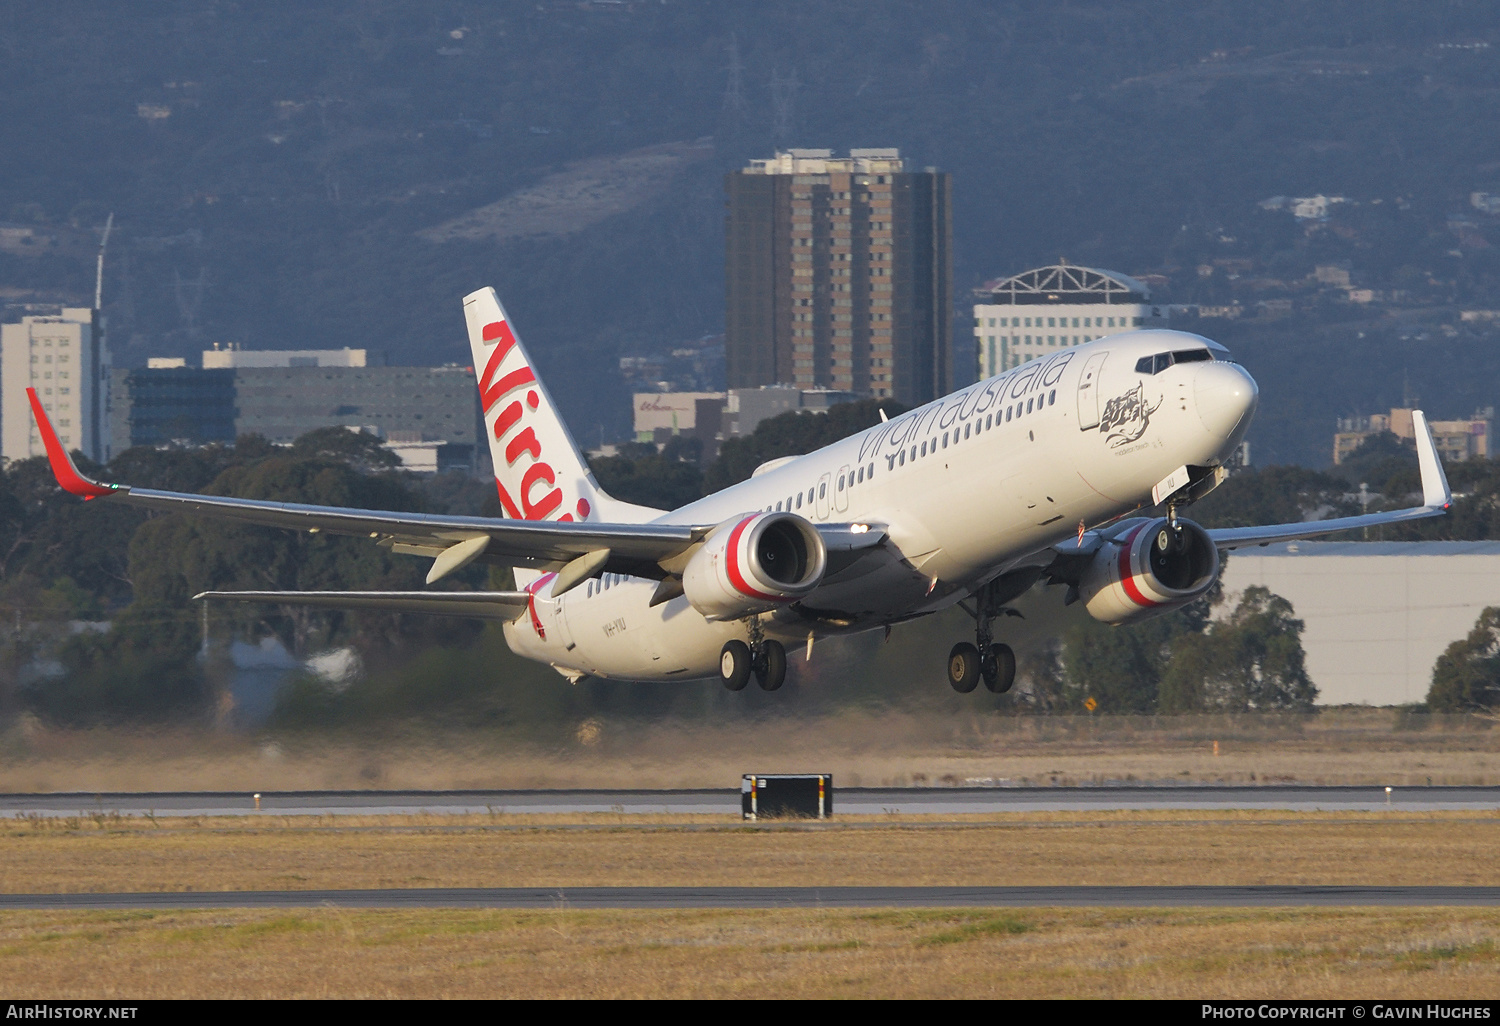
pixel 839 275
pixel 63 357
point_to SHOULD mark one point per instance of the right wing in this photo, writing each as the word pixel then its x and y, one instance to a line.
pixel 452 541
pixel 482 605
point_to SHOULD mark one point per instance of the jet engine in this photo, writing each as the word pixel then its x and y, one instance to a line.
pixel 1149 569
pixel 752 564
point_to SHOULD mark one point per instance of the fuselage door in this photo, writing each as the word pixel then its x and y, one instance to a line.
pixel 825 485
pixel 1088 392
pixel 843 483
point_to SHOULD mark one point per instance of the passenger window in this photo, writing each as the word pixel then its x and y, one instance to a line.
pixel 799 500
pixel 987 422
pixel 945 439
pixel 1052 397
pixel 810 495
pixel 871 474
pixel 1028 406
pixel 914 452
pixel 778 507
pixel 1008 410
pixel 924 449
pixel 822 490
pixel 903 457
pixel 967 429
pixel 841 482
pixel 859 478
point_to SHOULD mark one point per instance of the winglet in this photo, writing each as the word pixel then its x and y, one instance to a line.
pixel 1435 491
pixel 62 464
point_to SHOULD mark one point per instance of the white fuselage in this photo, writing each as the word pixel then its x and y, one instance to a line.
pixel 970 486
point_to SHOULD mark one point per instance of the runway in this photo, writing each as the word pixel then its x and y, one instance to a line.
pixel 847 800
pixel 769 897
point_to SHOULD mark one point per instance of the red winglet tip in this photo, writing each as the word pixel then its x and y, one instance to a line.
pixel 62 464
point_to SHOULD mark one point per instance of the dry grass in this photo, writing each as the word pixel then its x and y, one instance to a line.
pixel 1425 953
pixel 269 853
pixel 1339 746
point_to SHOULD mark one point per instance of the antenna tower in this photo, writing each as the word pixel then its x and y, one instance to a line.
pixel 734 88
pixel 783 106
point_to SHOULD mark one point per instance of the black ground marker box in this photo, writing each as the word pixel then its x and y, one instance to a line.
pixel 804 795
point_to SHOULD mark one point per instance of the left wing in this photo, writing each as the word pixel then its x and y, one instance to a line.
pixel 1436 499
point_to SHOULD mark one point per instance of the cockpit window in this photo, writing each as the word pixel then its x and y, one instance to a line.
pixel 1161 361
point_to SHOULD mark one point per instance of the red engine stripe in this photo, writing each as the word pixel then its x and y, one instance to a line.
pixel 1127 578
pixel 732 567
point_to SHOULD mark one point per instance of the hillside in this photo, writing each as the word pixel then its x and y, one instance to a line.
pixel 342 175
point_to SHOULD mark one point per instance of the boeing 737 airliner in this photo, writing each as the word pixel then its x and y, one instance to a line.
pixel 1027 478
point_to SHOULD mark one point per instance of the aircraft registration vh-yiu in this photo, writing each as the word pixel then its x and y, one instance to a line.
pixel 1029 478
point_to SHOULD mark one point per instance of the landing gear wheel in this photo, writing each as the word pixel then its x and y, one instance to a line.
pixel 999 669
pixel 770 671
pixel 734 665
pixel 963 667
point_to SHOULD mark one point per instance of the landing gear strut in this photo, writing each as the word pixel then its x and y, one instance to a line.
pixel 988 660
pixel 763 657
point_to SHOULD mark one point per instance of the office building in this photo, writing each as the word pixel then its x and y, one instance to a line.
pixel 427 415
pixel 1045 309
pixel 63 356
pixel 1455 439
pixel 230 355
pixel 839 275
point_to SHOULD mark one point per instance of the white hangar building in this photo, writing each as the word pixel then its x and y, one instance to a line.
pixel 1377 614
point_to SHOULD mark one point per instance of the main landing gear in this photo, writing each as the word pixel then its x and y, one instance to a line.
pixel 987 660
pixel 763 657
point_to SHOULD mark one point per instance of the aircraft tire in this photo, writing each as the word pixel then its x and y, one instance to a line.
pixel 1000 669
pixel 734 665
pixel 963 667
pixel 771 673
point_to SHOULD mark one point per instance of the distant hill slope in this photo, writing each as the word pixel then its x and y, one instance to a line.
pixel 277 175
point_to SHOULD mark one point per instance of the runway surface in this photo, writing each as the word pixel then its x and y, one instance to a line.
pixel 849 800
pixel 770 897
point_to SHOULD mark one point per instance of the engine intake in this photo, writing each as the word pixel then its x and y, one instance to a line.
pixel 752 564
pixel 1149 569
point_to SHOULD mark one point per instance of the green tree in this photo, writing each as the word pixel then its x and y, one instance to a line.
pixel 793 434
pixel 1121 668
pixel 1249 660
pixel 639 474
pixel 1466 677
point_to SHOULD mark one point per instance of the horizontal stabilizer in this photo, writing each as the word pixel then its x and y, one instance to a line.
pixel 482 605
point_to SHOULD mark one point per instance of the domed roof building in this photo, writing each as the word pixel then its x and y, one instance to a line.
pixel 1081 304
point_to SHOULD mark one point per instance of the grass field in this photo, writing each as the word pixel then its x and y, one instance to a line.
pixel 1189 953
pixel 294 852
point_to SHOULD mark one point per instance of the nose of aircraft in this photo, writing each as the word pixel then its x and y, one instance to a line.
pixel 1225 395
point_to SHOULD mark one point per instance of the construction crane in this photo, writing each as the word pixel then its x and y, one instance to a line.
pixel 99 274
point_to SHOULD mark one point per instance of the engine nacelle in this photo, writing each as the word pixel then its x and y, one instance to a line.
pixel 752 564
pixel 1149 569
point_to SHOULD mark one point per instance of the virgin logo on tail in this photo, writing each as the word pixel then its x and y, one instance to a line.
pixel 539 495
